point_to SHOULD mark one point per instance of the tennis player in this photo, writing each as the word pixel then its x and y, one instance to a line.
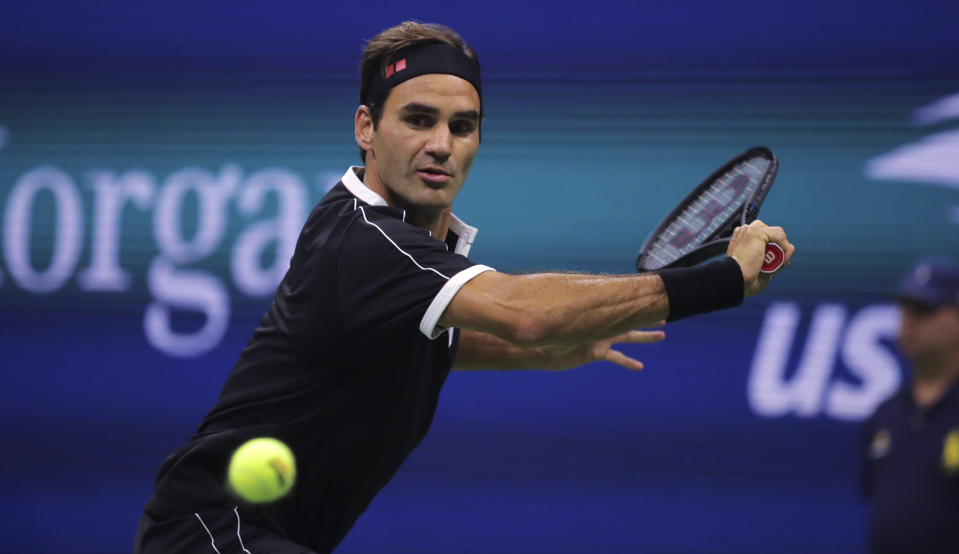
pixel 381 300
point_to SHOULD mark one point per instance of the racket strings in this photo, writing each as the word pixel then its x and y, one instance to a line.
pixel 710 210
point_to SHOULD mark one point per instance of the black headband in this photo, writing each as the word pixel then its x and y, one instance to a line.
pixel 421 59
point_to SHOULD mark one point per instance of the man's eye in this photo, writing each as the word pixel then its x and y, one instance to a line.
pixel 462 127
pixel 418 121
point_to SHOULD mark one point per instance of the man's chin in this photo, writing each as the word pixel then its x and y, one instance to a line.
pixel 433 199
pixel 435 186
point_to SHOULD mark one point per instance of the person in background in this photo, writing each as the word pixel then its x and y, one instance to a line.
pixel 911 443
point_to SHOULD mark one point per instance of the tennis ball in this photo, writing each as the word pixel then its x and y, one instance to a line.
pixel 262 470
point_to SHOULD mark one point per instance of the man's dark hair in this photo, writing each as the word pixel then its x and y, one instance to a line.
pixel 384 45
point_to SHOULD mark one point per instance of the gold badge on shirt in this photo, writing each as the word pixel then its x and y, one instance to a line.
pixel 881 443
pixel 950 453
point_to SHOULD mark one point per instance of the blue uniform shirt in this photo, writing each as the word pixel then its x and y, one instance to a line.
pixel 911 475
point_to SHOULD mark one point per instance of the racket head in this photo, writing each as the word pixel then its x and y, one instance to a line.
pixel 763 184
pixel 700 226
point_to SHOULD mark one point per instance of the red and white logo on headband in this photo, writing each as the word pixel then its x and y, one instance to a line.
pixel 395 67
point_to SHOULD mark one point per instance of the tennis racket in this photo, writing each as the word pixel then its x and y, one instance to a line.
pixel 701 226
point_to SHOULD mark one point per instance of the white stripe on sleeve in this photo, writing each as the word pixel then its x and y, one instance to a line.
pixel 428 325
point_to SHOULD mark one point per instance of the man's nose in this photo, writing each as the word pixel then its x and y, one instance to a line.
pixel 440 143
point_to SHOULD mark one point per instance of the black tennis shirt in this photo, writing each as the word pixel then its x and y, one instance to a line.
pixel 346 368
pixel 911 475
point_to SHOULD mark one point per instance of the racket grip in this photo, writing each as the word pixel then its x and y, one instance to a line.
pixel 774 258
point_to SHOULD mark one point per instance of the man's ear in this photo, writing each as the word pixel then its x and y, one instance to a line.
pixel 363 128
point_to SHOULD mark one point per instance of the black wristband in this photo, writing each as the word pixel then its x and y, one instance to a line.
pixel 704 288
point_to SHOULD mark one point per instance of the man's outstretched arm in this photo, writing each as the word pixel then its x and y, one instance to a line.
pixel 478 350
pixel 577 310
pixel 556 308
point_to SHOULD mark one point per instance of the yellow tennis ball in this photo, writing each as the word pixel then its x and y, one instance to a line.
pixel 262 470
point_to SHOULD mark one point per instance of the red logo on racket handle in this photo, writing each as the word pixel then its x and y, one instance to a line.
pixel 773 259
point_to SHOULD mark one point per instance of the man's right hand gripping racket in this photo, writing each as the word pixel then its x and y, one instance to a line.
pixel 701 225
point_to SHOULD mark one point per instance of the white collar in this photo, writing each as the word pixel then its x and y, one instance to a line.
pixel 358 189
pixel 466 234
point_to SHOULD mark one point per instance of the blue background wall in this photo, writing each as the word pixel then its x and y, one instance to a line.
pixel 740 435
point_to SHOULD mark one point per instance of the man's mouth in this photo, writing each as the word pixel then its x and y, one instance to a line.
pixel 433 175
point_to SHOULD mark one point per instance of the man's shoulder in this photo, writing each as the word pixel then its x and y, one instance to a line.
pixel 342 214
pixel 341 207
pixel 341 200
pixel 338 195
pixel 383 232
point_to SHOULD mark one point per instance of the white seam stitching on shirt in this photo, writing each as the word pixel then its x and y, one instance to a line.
pixel 412 259
pixel 236 511
pixel 212 543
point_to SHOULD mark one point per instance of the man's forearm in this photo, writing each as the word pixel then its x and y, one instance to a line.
pixel 556 308
pixel 571 309
pixel 581 308
pixel 478 350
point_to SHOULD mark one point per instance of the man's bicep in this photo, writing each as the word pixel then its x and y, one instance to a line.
pixel 481 305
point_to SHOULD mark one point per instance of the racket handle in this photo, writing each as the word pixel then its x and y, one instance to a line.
pixel 774 258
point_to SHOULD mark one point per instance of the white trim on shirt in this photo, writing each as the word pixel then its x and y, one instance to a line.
pixel 466 234
pixel 356 187
pixel 404 252
pixel 428 325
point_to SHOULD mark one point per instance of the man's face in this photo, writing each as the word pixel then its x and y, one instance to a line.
pixel 425 142
pixel 928 333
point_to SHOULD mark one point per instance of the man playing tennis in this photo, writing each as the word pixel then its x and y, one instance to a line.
pixel 380 301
